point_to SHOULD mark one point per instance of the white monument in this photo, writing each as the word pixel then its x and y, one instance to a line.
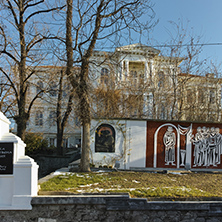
pixel 18 173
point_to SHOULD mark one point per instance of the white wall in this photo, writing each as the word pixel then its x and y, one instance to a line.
pixel 130 144
pixel 103 158
pixel 137 145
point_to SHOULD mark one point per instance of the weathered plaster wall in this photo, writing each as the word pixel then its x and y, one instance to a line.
pixel 137 143
pixel 105 158
pixel 113 208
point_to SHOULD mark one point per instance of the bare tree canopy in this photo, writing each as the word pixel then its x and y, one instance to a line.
pixel 21 32
pixel 104 22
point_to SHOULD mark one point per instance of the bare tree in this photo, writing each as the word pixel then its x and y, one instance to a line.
pixel 7 99
pixel 183 52
pixel 20 36
pixel 61 115
pixel 88 22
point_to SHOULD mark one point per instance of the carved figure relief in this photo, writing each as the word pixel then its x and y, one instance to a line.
pixel 177 146
pixel 207 146
pixel 169 141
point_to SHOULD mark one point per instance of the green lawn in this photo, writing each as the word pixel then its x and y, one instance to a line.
pixel 139 184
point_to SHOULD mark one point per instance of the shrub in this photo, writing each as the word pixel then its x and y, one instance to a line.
pixel 35 143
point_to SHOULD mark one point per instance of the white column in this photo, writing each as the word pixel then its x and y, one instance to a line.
pixel 127 69
pixel 189 147
pixel 151 69
pixel 121 71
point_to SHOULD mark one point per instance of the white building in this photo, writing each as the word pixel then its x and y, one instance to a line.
pixel 43 115
pixel 143 73
pixel 148 79
pixel 138 68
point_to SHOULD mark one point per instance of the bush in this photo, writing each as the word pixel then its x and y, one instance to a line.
pixel 35 143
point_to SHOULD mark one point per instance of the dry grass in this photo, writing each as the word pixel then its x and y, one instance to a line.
pixel 140 184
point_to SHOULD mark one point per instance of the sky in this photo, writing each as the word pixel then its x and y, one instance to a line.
pixel 204 17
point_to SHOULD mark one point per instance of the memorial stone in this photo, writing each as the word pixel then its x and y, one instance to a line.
pixel 18 173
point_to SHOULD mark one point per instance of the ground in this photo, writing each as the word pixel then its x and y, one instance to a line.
pixel 151 185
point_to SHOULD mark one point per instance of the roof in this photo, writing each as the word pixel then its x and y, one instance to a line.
pixel 139 48
pixel 209 77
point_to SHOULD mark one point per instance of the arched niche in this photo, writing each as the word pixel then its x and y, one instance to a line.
pixel 105 139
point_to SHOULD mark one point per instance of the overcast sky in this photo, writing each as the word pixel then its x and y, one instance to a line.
pixel 204 16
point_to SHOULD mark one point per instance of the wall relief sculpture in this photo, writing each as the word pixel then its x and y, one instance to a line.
pixel 169 141
pixel 207 146
pixel 194 145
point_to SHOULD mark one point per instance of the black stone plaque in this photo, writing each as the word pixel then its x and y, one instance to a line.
pixel 6 158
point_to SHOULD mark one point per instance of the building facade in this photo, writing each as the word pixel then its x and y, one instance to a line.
pixel 145 78
pixel 43 115
pixel 199 97
pixel 145 84
pixel 133 81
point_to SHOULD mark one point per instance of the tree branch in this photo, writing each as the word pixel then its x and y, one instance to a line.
pixel 43 11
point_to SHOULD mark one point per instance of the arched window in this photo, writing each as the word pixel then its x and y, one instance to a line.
pixel 104 76
pixel 39 118
pixel 105 139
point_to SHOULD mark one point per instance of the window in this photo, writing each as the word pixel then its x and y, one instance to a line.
pixel 39 118
pixel 77 122
pixel 65 142
pixel 163 112
pixel 212 96
pixel 78 142
pixel 52 141
pixel 201 96
pixel 141 77
pixel 66 89
pixel 105 139
pixel 39 87
pixel 161 79
pixel 53 89
pixel 104 76
pixel 191 96
pixel 52 118
pixel 221 95
pixel 133 75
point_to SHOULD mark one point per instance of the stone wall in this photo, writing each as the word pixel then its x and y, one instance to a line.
pixel 110 208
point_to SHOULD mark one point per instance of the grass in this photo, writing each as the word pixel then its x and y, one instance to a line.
pixel 196 186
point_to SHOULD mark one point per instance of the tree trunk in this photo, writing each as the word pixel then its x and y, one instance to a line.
pixel 59 117
pixel 21 121
pixel 85 158
pixel 60 142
